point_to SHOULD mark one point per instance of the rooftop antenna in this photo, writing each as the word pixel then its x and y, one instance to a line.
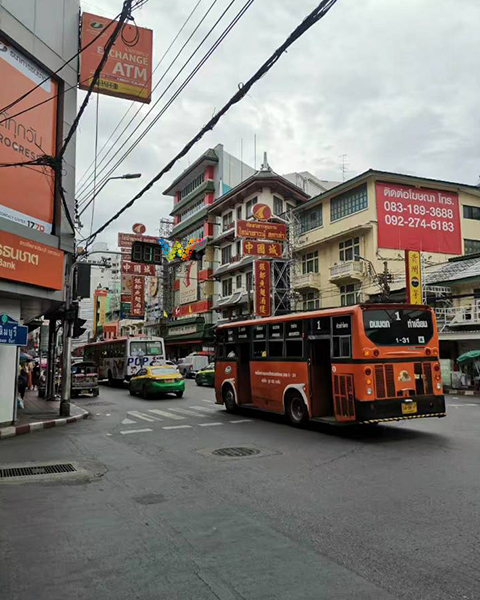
pixel 255 151
pixel 343 166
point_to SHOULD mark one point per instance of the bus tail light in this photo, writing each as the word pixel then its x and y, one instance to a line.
pixel 369 391
pixel 366 352
pixel 436 367
pixel 369 382
pixel 368 371
pixel 438 377
pixel 376 352
pixel 439 386
pixel 428 351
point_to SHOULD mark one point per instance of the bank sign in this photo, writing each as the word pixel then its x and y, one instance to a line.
pixel 411 218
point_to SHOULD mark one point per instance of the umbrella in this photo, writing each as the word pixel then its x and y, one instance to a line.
pixel 469 357
pixel 25 357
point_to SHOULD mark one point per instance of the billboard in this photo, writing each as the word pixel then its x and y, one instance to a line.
pixel 138 297
pixel 128 70
pixel 261 231
pixel 26 194
pixel 413 270
pixel 411 218
pixel 263 304
pixel 125 240
pixel 188 275
pixel 27 261
pixel 262 248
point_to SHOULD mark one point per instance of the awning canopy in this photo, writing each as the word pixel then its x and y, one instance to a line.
pixel 468 357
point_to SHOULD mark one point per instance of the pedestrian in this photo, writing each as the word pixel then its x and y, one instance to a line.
pixel 22 383
pixel 28 368
pixel 36 375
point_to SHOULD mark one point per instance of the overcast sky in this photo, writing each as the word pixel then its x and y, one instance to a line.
pixel 391 84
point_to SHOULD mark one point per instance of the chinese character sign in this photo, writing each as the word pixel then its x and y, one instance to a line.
pixel 263 307
pixel 138 297
pixel 137 269
pixel 272 249
pixel 414 277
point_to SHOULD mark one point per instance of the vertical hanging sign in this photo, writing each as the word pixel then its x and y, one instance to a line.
pixel 413 271
pixel 138 297
pixel 263 306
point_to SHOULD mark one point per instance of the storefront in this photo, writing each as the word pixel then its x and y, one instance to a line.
pixel 188 335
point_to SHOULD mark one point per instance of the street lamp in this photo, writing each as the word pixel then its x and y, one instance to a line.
pixel 126 176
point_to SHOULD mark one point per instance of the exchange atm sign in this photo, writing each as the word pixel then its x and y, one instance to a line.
pixel 411 218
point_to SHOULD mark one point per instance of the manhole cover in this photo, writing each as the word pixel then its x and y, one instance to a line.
pixel 235 452
pixel 30 471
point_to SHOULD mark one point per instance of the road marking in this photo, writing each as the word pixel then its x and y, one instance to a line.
pixel 128 422
pixel 242 421
pixel 455 397
pixel 135 431
pixel 165 414
pixel 208 424
pixel 470 404
pixel 191 413
pixel 210 410
pixel 209 401
pixel 178 427
pixel 139 415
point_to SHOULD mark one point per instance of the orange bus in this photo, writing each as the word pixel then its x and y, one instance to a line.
pixel 368 363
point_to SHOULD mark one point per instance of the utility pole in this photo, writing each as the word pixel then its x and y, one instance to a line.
pixel 67 341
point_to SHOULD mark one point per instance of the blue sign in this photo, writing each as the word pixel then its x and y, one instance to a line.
pixel 11 332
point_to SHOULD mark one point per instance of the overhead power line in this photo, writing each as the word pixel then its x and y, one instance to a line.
pixel 318 13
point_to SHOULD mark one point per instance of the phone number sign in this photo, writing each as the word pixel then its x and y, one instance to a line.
pixel 411 218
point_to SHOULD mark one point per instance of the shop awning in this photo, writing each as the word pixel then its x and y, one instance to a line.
pixel 469 357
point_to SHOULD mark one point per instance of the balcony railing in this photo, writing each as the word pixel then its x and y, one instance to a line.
pixel 458 316
pixel 228 226
pixel 307 280
pixel 353 270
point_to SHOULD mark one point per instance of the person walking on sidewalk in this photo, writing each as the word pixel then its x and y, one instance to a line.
pixel 22 383
pixel 36 375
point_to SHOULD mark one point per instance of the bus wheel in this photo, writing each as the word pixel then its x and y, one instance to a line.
pixel 229 400
pixel 296 410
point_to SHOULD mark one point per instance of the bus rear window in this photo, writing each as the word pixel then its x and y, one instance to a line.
pixel 398 327
pixel 146 349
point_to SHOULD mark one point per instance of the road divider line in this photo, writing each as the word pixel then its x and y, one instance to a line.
pixel 242 421
pixel 135 431
pixel 139 415
pixel 209 424
pixel 178 427
pixel 168 415
pixel 190 413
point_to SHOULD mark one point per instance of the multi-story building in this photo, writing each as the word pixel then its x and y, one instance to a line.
pixel 194 191
pixel 233 274
pixel 340 248
pixel 35 234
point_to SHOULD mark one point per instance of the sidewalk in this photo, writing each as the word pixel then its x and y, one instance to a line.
pixel 40 414
pixel 470 393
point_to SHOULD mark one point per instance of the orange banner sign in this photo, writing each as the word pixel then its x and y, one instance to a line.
pixel 128 70
pixel 27 193
pixel 263 304
pixel 30 262
pixel 262 249
pixel 261 231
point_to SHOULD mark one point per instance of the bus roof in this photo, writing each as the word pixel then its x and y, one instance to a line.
pixel 137 338
pixel 344 310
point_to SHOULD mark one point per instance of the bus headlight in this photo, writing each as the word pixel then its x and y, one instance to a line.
pixel 369 391
pixel 439 386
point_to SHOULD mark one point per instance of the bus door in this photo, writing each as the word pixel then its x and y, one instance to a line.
pixel 244 389
pixel 343 383
pixel 320 367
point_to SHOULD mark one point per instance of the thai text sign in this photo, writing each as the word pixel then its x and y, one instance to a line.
pixel 130 268
pixel 261 231
pixel 27 194
pixel 263 306
pixel 128 70
pixel 421 219
pixel 262 248
pixel 27 261
pixel 125 240
pixel 413 272
pixel 138 297
pixel 11 332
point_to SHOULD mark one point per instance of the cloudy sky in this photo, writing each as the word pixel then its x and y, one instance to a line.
pixel 391 84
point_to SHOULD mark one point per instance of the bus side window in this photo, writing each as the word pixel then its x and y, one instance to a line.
pixel 294 348
pixel 341 346
pixel 259 349
pixel 275 349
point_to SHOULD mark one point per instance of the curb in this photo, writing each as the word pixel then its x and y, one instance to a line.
pixel 13 430
pixel 453 392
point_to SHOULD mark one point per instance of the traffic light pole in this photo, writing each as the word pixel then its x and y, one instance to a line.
pixel 67 343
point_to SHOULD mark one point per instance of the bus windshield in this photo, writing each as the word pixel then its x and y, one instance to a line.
pixel 145 348
pixel 398 327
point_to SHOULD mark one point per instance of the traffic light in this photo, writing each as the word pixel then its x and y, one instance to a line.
pixel 78 327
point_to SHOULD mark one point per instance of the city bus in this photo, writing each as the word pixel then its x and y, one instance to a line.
pixel 368 363
pixel 120 359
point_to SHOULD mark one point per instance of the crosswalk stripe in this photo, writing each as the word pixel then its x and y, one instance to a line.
pixel 210 410
pixel 209 401
pixel 128 422
pixel 208 424
pixel 166 414
pixel 139 415
pixel 178 427
pixel 242 421
pixel 191 413
pixel 135 431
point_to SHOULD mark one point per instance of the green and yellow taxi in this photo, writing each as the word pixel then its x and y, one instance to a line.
pixel 206 376
pixel 156 380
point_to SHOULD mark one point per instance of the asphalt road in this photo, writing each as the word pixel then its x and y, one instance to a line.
pixel 383 513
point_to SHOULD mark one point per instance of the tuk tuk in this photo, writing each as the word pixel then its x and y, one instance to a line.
pixel 84 379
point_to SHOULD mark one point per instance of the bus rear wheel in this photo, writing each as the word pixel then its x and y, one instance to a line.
pixel 296 410
pixel 229 400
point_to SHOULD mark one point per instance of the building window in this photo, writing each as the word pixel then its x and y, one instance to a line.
pixel 192 185
pixel 194 208
pixel 194 234
pixel 238 283
pixel 226 255
pixel 350 294
pixel 249 281
pixel 227 287
pixel 310 263
pixel 277 206
pixel 471 212
pixel 311 219
pixel 471 246
pixel 227 221
pixel 249 206
pixel 239 248
pixel 239 212
pixel 311 300
pixel 349 249
pixel 348 203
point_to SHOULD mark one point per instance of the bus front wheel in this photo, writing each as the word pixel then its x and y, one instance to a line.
pixel 296 410
pixel 229 400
